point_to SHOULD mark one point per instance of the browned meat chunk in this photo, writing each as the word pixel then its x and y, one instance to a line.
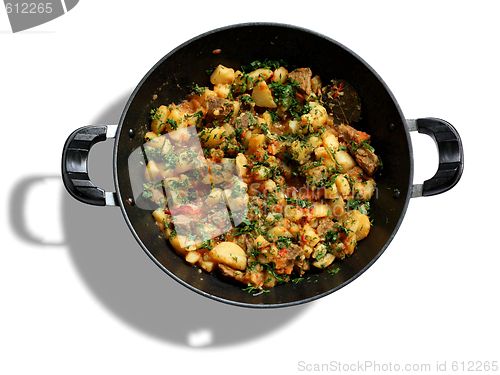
pixel 293 251
pixel 245 120
pixel 324 226
pixel 316 85
pixel 367 160
pixel 219 108
pixel 303 77
pixel 357 142
pixel 253 277
pixel 248 104
pixel 356 174
pixel 348 134
pixel 232 273
pixel 342 102
pixel 285 259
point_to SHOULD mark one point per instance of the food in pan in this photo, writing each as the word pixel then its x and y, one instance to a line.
pixel 262 177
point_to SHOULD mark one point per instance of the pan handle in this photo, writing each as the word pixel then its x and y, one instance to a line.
pixel 75 172
pixel 451 155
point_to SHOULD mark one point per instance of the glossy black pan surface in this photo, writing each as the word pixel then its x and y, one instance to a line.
pixel 172 78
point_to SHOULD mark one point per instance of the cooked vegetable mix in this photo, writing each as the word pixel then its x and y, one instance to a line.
pixel 276 184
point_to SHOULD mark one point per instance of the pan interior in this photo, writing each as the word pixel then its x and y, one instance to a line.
pixel 172 79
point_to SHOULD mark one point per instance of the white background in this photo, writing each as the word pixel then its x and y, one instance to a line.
pixel 79 296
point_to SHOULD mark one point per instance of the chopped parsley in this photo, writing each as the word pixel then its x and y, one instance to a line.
pixel 198 115
pixel 255 252
pixel 147 189
pixel 246 226
pixel 333 270
pixel 206 245
pixel 172 123
pixel 270 269
pixel 147 194
pixel 271 199
pixel 238 132
pixel 155 114
pixel 229 115
pixel 321 252
pixel 312 164
pixel 274 116
pixel 246 99
pixel 171 159
pixel 367 146
pixel 302 203
pixel 255 291
pixel 152 153
pixel 355 146
pixel 198 90
pixel 356 204
pixel 285 95
pixel 353 204
pixel 342 229
pixel 331 237
pixel 283 242
pixel 265 63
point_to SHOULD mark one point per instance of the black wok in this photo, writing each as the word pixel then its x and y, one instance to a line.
pixel 171 80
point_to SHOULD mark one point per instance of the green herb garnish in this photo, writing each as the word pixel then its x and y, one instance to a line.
pixel 246 226
pixel 333 270
pixel 331 237
pixel 367 146
pixel 265 63
pixel 283 242
pixel 253 290
pixel 155 114
pixel 172 124
pixel 302 203
pixel 198 90
pixel 246 99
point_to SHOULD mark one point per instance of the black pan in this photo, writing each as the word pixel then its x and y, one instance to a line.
pixel 171 80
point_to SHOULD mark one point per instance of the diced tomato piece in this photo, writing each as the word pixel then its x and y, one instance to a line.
pixel 361 136
pixel 278 208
